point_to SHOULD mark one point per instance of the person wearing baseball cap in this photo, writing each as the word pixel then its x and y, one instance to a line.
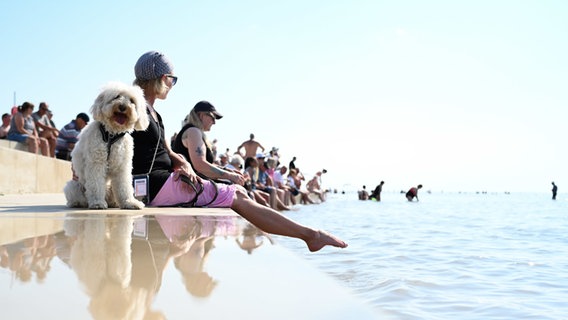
pixel 174 182
pixel 192 143
pixel 205 106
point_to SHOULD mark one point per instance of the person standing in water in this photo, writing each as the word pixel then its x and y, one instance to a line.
pixel 554 191
pixel 376 194
pixel 363 194
pixel 413 193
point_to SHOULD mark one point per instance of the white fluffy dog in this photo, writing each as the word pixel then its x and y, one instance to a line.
pixel 104 152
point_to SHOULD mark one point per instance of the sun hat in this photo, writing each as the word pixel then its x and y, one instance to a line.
pixel 205 106
pixel 152 65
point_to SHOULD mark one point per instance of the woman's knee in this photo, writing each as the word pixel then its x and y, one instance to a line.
pixel 241 193
pixel 241 197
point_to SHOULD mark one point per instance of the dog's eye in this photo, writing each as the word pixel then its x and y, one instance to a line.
pixel 132 101
pixel 117 96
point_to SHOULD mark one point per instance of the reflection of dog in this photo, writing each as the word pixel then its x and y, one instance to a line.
pixel 105 149
pixel 100 255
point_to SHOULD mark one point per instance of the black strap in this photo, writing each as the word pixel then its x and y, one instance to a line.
pixel 216 193
pixel 109 138
pixel 192 202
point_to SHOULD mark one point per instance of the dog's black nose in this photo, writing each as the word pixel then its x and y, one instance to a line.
pixel 122 108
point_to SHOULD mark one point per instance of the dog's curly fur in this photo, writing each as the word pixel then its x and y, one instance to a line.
pixel 120 108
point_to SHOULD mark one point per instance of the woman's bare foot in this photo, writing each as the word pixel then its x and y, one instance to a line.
pixel 323 239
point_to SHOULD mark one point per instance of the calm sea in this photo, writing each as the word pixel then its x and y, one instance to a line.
pixel 449 256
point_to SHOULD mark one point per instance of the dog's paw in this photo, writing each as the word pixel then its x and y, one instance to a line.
pixel 132 204
pixel 98 205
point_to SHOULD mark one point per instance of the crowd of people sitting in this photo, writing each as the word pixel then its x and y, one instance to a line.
pixel 260 173
pixel 265 178
pixel 172 171
pixel 38 130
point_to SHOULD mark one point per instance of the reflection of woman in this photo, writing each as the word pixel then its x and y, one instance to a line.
pixel 190 264
pixel 193 237
pixel 173 180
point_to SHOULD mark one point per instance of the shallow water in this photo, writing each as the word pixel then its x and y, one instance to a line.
pixel 466 256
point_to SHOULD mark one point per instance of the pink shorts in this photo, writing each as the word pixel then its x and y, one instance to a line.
pixel 178 192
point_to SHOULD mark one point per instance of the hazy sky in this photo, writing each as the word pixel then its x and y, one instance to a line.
pixel 455 95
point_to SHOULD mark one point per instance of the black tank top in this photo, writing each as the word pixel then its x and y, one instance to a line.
pixel 178 147
pixel 145 143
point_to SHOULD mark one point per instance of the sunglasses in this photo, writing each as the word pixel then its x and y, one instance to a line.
pixel 209 114
pixel 174 79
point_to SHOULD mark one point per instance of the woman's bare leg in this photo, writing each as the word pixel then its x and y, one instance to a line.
pixel 32 144
pixel 271 221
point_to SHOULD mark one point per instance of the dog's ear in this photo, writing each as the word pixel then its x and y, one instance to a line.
pixel 143 122
pixel 97 107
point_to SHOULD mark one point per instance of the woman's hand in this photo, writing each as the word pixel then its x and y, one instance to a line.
pixel 237 178
pixel 182 167
pixel 187 172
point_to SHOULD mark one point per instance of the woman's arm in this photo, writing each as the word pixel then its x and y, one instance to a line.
pixel 192 139
pixel 19 122
pixel 180 165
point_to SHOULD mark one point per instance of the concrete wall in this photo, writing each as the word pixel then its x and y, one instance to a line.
pixel 24 172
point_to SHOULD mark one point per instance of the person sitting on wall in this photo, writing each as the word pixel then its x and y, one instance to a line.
pixel 69 135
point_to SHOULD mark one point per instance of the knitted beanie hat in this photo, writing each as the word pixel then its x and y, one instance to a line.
pixel 152 65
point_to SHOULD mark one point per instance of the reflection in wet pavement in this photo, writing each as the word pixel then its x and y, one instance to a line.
pixel 119 261
pixel 181 266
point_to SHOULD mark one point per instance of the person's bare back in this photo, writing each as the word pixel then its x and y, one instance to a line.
pixel 251 147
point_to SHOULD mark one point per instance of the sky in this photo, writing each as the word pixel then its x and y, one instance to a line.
pixel 455 95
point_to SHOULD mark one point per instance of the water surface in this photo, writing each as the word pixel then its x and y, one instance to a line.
pixel 466 256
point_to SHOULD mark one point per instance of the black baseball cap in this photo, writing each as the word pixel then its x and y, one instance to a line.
pixel 205 106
